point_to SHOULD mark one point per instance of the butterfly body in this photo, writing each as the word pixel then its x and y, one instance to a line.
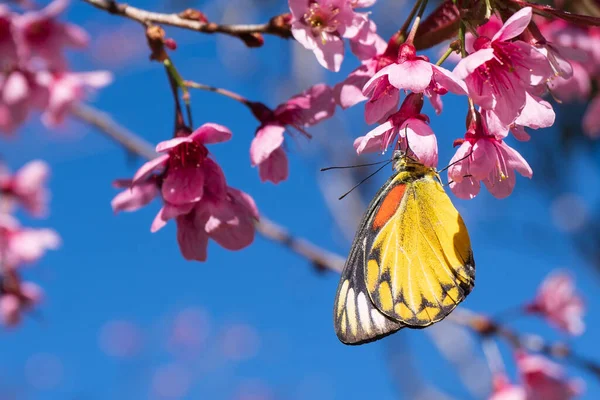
pixel 411 261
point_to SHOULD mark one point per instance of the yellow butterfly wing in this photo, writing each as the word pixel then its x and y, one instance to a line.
pixel 419 258
pixel 356 320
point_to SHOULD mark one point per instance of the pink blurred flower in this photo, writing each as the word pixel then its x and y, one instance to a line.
pixel 17 298
pixel 545 380
pixel 500 73
pixel 8 46
pixel 504 390
pixel 558 302
pixel 20 245
pixel 229 222
pixel 320 25
pixel 27 187
pixel 482 156
pixel 21 91
pixel 41 34
pixel 407 129
pixel 67 88
pixel 305 109
pixel 591 118
pixel 577 87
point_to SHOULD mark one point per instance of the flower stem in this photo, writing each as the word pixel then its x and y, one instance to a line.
pixel 445 56
pixel 415 27
pixel 402 32
pixel 224 92
pixel 178 80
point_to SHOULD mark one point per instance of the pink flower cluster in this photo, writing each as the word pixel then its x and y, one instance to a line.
pixel 580 45
pixel 19 245
pixel 504 73
pixel 321 25
pixel 194 192
pixel 34 73
pixel 541 380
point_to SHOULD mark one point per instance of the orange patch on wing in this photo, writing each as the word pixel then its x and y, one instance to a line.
pixel 389 206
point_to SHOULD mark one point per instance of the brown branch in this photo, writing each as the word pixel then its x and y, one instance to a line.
pixel 487 327
pixel 251 34
pixel 320 258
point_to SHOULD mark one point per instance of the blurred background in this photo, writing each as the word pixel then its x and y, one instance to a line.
pixel 125 317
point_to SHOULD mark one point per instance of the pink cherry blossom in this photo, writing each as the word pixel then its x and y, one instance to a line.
pixel 17 298
pixel 500 72
pixel 485 157
pixel 20 245
pixel 27 188
pixel 66 89
pixel 410 72
pixel 229 222
pixel 320 25
pixel 504 390
pixel 558 302
pixel 21 91
pixel 308 108
pixel 407 129
pixel 41 34
pixel 8 46
pixel 545 380
pixel 194 191
pixel 190 173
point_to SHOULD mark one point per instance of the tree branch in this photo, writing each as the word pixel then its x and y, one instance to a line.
pixel 250 34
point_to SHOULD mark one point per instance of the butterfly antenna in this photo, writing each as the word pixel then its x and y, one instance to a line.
pixel 457 161
pixel 361 182
pixel 355 166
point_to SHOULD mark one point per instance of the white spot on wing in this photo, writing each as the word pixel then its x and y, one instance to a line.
pixel 378 318
pixel 342 297
pixel 363 312
pixel 351 307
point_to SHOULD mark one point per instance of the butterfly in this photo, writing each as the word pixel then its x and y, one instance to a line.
pixel 411 261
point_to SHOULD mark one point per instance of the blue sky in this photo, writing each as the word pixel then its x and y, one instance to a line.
pixel 111 268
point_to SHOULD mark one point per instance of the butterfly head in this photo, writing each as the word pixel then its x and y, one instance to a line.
pixel 406 162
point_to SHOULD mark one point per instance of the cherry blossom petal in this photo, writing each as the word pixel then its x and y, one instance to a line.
pixel 411 75
pixel 275 168
pixel 267 139
pixel 469 64
pixel 374 139
pixel 449 81
pixel 134 198
pixel 192 239
pixel 330 52
pixel 514 26
pixel 167 145
pixel 382 106
pixel 183 185
pixel 149 167
pixel 421 141
pixel 211 133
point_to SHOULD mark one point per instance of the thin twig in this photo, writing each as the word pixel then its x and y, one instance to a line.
pixel 277 26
